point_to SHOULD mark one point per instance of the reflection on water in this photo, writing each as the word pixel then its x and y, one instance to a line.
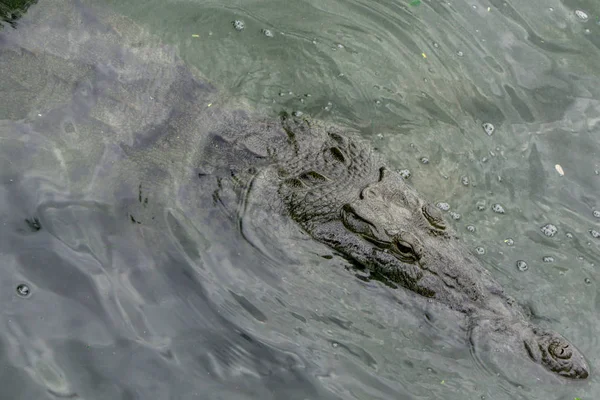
pixel 123 277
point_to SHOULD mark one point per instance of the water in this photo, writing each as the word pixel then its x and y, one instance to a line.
pixel 121 279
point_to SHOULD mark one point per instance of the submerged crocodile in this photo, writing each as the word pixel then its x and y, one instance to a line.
pixel 110 111
pixel 342 194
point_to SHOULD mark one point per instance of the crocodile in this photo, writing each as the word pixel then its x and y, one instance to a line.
pixel 340 191
pixel 326 179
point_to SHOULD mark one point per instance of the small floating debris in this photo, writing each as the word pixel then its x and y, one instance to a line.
pixel 596 213
pixel 424 160
pixel 488 128
pixel 548 259
pixel 509 242
pixel 595 233
pixel 582 15
pixel 195 35
pixel 480 250
pixel 405 173
pixel 559 169
pixel 415 3
pixel 471 228
pixel 239 25
pixel 267 32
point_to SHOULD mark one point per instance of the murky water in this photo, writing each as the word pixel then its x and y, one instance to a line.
pixel 122 279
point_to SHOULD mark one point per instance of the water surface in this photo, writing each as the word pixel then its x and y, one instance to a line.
pixel 141 287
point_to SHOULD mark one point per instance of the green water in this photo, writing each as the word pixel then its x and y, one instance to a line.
pixel 418 80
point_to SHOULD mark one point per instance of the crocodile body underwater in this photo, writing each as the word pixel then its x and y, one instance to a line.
pixel 324 178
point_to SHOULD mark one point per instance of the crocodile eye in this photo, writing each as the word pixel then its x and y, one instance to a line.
pixel 405 250
pixel 434 216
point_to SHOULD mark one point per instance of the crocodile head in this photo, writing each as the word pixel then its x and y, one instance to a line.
pixel 342 195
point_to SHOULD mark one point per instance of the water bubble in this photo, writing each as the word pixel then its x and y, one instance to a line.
pixel 334 344
pixel 596 213
pixel 460 53
pixel 340 46
pixel 436 45
pixel 405 173
pixel 587 281
pixel 443 206
pixel 267 32
pixel 23 290
pixel 595 233
pixel 582 15
pixel 509 242
pixel 480 250
pixel 239 25
pixel 480 205
pixel 488 128
pixel 464 180
pixel 454 215
pixel 424 160
pixel 548 259
pixel 569 235
pixel 471 228
pixel 549 230
pixel 522 266
pixel 497 208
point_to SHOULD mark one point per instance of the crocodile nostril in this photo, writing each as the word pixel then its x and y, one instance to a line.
pixel 368 193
